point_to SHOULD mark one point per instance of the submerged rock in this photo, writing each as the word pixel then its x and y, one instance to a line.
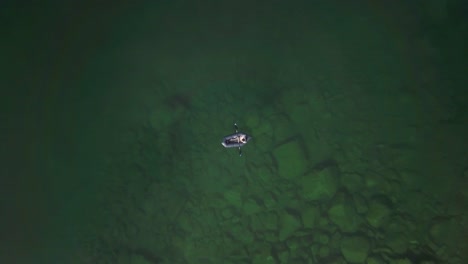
pixel 289 224
pixel 379 211
pixel 310 216
pixel 343 214
pixel 355 248
pixel 290 159
pixel 321 185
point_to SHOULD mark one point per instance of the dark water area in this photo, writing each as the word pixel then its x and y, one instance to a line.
pixel 113 114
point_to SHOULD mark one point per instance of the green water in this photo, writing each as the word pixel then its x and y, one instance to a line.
pixel 113 114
